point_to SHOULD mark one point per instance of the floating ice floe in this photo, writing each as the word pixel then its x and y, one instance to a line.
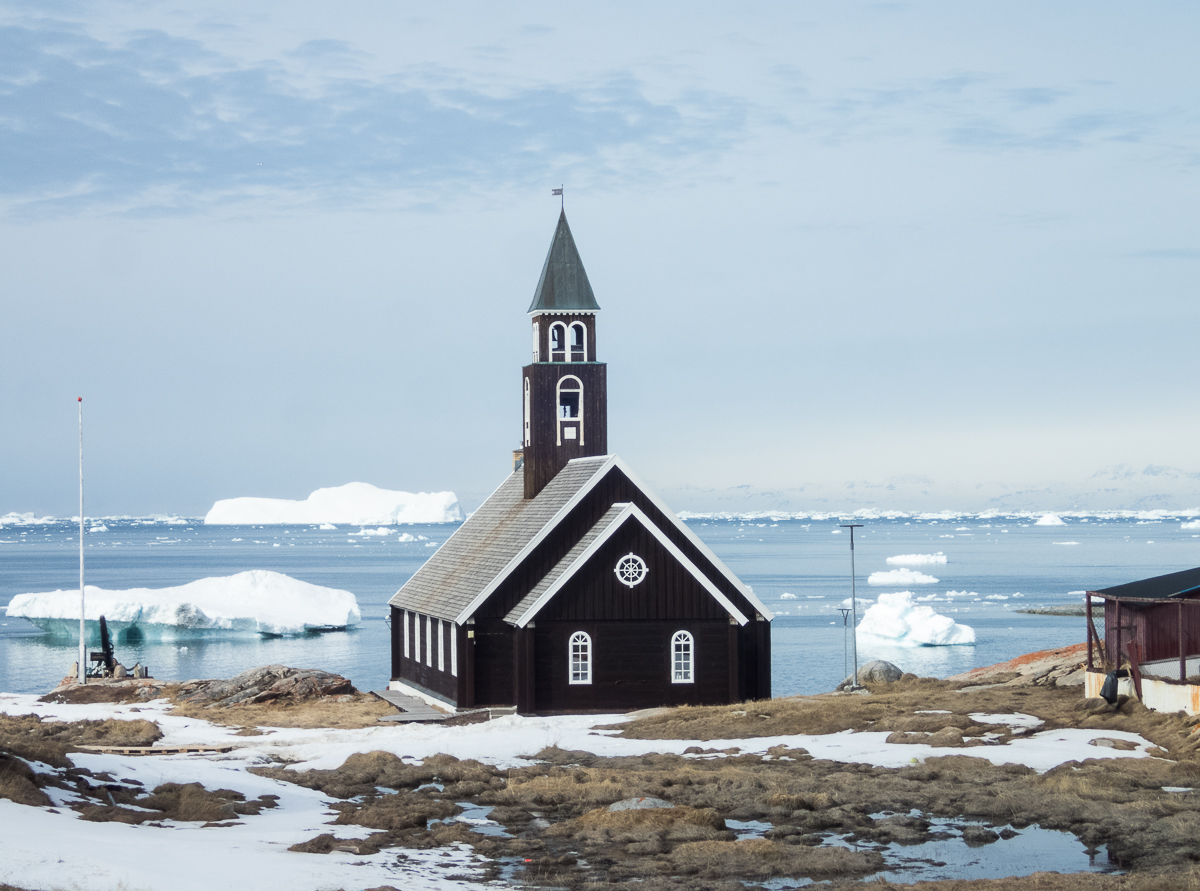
pixel 900 577
pixel 1190 524
pixel 1049 520
pixel 358 504
pixel 249 603
pixel 786 596
pixel 916 559
pixel 896 620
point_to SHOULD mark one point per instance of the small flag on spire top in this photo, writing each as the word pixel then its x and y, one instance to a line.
pixel 556 191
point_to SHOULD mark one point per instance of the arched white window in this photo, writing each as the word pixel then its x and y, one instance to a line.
pixel 537 344
pixel 682 657
pixel 570 409
pixel 558 342
pixel 581 658
pixel 578 342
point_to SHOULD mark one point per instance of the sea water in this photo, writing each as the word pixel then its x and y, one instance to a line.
pixel 996 566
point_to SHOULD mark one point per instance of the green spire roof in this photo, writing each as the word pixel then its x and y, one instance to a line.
pixel 564 286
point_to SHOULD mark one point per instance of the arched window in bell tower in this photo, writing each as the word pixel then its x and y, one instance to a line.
pixel 558 342
pixel 570 409
pixel 578 342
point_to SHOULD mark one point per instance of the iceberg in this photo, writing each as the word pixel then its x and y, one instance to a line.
pixel 897 621
pixel 900 577
pixel 257 602
pixel 358 504
pixel 1049 520
pixel 916 559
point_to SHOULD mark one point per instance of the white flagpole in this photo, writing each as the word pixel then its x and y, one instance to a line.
pixel 82 623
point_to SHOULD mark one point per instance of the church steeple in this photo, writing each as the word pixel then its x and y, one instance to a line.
pixel 564 285
pixel 565 389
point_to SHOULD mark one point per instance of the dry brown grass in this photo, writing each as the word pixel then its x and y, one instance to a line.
pixel 18 783
pixel 359 710
pixel 362 773
pixel 184 802
pixel 760 858
pixel 395 812
pixel 31 738
pixel 898 707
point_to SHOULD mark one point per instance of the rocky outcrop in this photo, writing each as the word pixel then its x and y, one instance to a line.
pixel 269 683
pixel 1063 667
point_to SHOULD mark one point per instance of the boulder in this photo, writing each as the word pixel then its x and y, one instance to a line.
pixel 876 672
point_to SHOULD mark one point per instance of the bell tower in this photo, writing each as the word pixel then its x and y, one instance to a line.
pixel 565 389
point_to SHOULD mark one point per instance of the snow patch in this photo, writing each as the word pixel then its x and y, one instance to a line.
pixel 357 504
pixel 900 577
pixel 253 602
pixel 898 621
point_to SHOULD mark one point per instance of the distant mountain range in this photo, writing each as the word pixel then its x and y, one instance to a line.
pixel 1119 487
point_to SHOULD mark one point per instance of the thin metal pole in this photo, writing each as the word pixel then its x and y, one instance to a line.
pixel 853 600
pixel 845 645
pixel 82 623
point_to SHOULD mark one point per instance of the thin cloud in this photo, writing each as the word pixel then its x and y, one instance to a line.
pixel 156 124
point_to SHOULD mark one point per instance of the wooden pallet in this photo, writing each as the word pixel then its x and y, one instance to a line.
pixel 158 750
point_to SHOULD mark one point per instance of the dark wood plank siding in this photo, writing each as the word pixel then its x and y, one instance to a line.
pixel 423 673
pixel 631 665
pixel 493 660
pixel 1154 627
pixel 669 591
pixel 544 457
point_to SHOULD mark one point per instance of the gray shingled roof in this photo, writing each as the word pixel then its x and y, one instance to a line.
pixel 602 525
pixel 1174 584
pixel 483 546
pixel 564 286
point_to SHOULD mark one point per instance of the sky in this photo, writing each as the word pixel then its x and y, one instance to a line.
pixel 290 245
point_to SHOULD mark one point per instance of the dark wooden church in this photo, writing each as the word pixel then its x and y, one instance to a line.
pixel 573 588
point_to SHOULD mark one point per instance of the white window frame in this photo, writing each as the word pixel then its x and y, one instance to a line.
pixel 407 647
pixel 527 411
pixel 537 345
pixel 584 640
pixel 683 671
pixel 416 637
pixel 565 352
pixel 429 641
pixel 582 328
pixel 558 390
pixel 453 650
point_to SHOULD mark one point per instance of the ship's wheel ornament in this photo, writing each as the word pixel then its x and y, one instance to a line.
pixel 631 570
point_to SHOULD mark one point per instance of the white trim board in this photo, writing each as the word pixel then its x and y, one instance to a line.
pixel 630 510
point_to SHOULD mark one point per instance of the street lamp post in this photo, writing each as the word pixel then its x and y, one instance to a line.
pixel 845 611
pixel 853 601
